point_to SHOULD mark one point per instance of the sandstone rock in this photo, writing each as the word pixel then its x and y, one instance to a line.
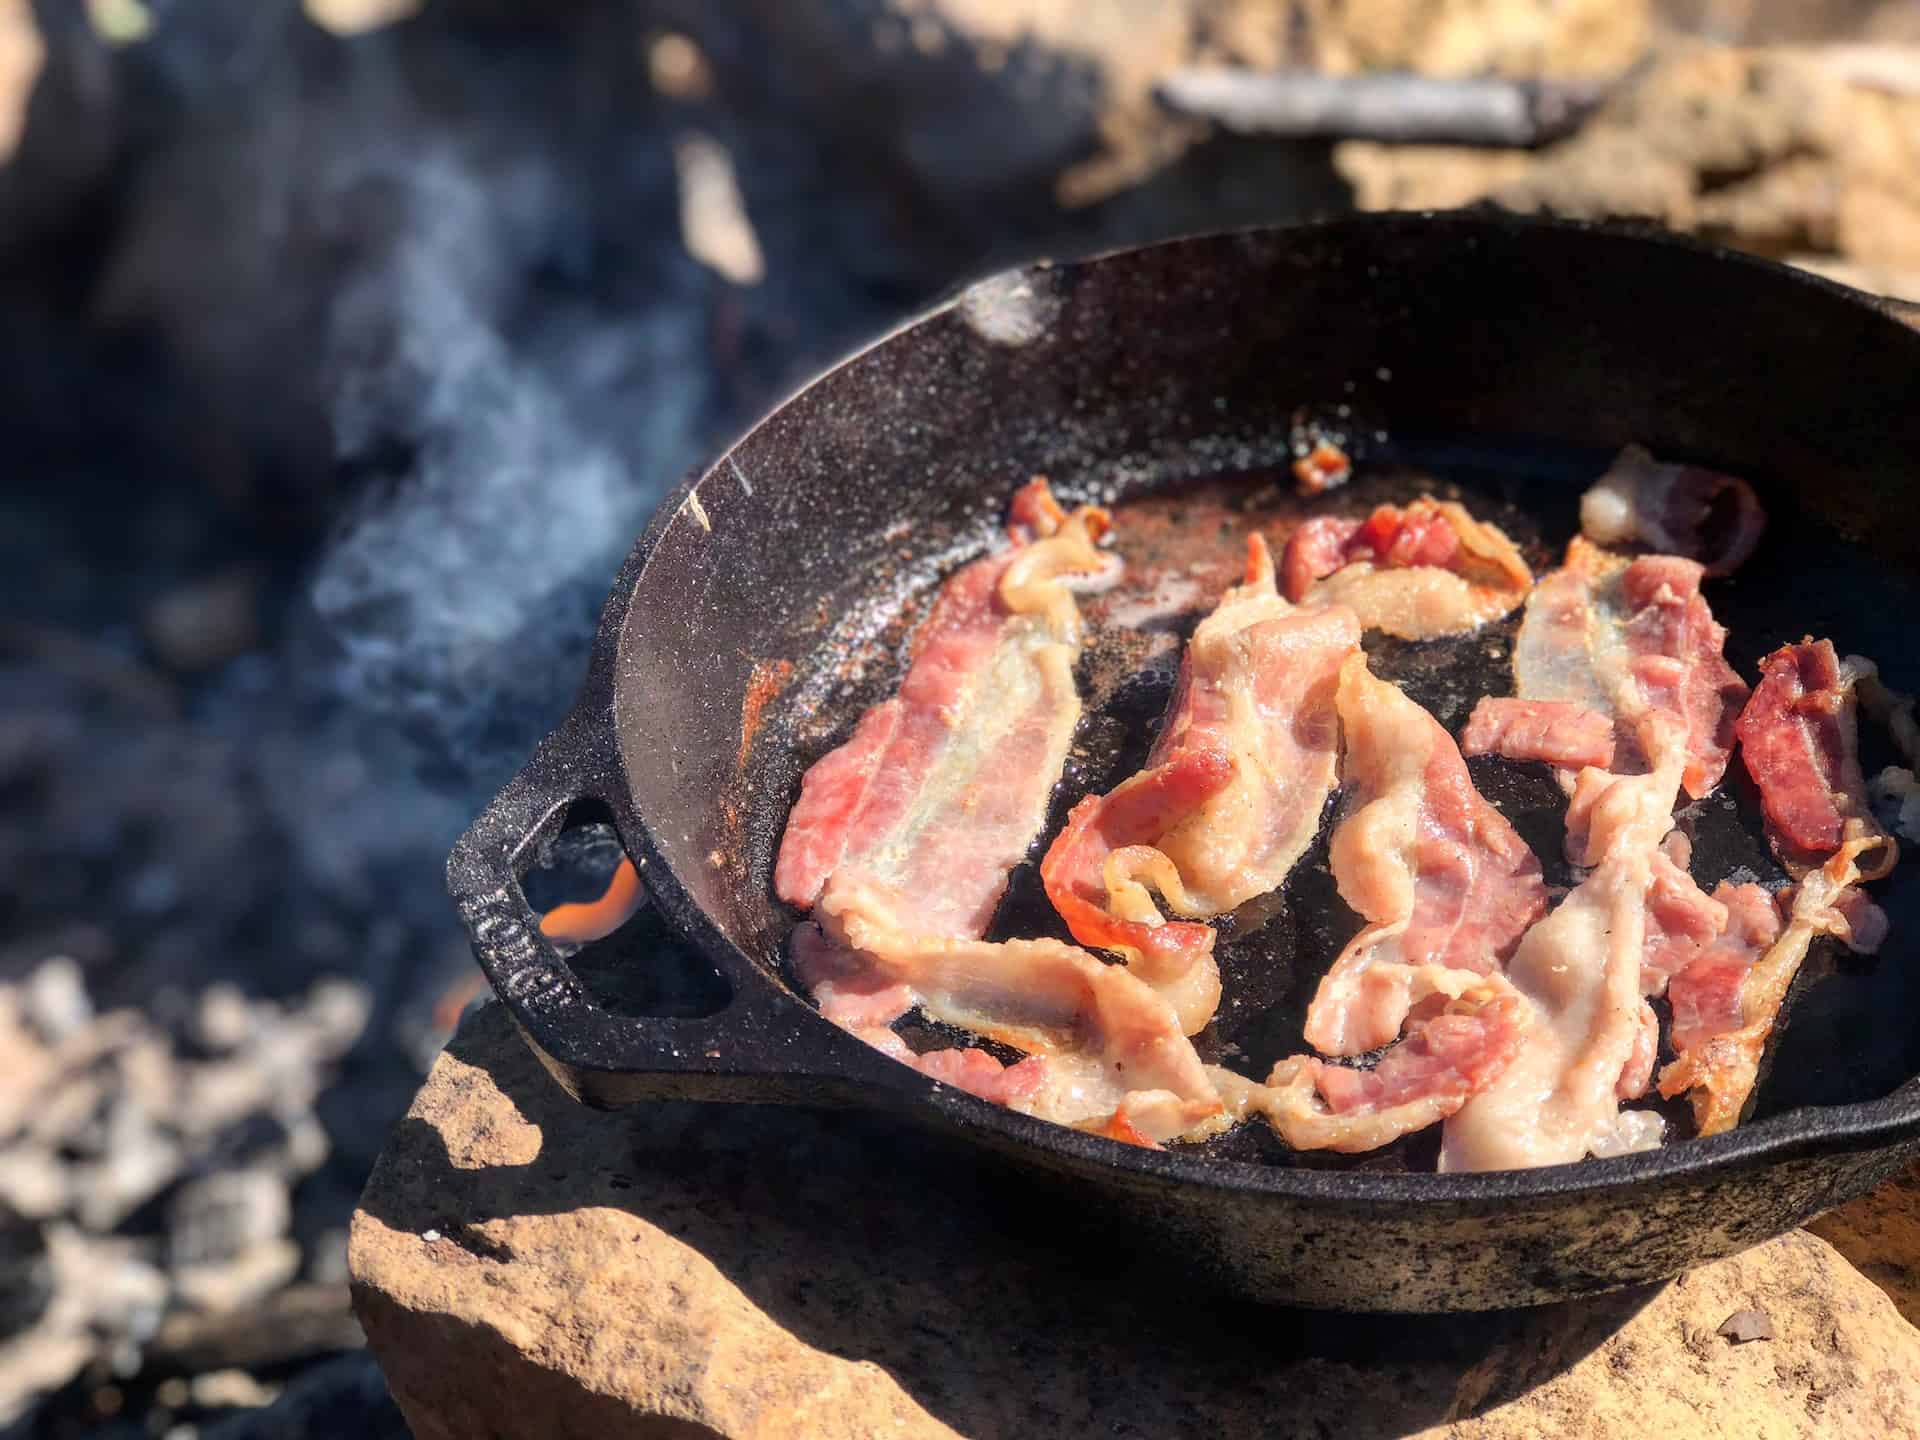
pixel 1880 1233
pixel 1472 37
pixel 1780 151
pixel 526 1267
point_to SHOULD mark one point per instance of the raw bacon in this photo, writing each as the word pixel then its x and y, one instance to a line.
pixel 1799 741
pixel 1557 731
pixel 1445 1058
pixel 1418 571
pixel 1676 509
pixel 1104 1050
pixel 1230 796
pixel 941 789
pixel 1559 1099
pixel 1445 883
pixel 1633 639
pixel 1731 1013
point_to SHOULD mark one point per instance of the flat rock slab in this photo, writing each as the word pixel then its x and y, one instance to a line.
pixel 1880 1233
pixel 526 1267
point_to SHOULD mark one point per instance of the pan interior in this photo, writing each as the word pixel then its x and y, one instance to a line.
pixel 1847 1036
pixel 776 605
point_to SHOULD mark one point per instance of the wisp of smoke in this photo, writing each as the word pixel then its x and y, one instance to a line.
pixel 533 436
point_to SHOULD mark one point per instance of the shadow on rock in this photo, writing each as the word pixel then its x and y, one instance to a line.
pixel 993 1309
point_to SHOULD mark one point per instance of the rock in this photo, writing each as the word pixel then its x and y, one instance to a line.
pixel 1439 37
pixel 526 1267
pixel 206 1120
pixel 224 1019
pixel 228 1242
pixel 1880 1233
pixel 358 17
pixel 21 56
pixel 1785 150
pixel 249 1276
pixel 230 1390
pixel 137 1161
pixel 221 1217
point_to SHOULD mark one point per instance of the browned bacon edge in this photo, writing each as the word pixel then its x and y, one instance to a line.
pixel 1104 1051
pixel 1115 846
pixel 1799 741
pixel 1447 1055
pixel 1427 532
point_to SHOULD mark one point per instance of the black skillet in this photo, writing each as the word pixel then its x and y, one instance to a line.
pixel 1509 356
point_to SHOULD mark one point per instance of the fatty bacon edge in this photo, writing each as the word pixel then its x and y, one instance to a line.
pixel 903 839
pixel 1230 797
pixel 1634 643
pixel 1799 741
pixel 1448 888
pixel 1416 571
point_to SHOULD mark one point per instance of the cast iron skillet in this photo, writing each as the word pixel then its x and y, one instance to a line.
pixel 1518 352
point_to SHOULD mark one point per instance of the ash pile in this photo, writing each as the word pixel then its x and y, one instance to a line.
pixel 148 1167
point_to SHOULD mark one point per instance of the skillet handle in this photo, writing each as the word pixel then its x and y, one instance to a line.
pixel 762 1046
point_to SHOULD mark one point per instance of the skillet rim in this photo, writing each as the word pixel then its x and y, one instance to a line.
pixel 1803 1132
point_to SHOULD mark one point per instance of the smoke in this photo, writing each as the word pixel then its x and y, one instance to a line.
pixel 533 433
pixel 432 296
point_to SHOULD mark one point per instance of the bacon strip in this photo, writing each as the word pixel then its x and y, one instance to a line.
pixel 1230 797
pixel 1633 639
pixel 1443 880
pixel 1579 969
pixel 1705 992
pixel 937 796
pixel 1800 743
pixel 1681 919
pixel 1417 572
pixel 941 789
pixel 1446 1057
pixel 1799 740
pixel 1104 1050
pixel 1721 1049
pixel 1448 888
pixel 1676 509
pixel 1557 731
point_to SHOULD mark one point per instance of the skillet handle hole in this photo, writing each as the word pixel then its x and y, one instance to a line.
pixel 595 911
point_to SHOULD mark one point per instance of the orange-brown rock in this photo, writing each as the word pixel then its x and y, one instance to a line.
pixel 1880 1233
pixel 525 1267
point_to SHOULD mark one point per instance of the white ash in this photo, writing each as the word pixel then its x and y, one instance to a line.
pixel 148 1170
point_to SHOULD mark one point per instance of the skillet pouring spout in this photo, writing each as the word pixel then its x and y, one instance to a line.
pixel 768 604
